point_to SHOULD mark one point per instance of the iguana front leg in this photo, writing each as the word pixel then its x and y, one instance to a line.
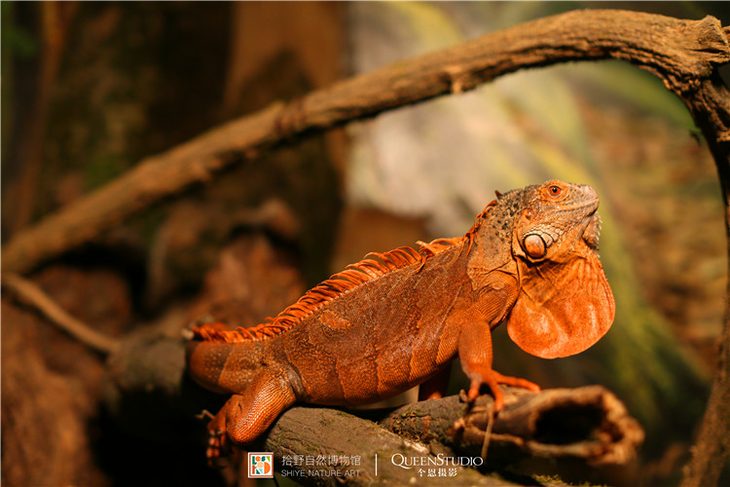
pixel 248 414
pixel 475 353
pixel 498 292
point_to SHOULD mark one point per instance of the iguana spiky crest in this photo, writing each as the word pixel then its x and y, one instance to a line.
pixel 372 266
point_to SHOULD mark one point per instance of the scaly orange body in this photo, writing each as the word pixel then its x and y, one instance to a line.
pixel 397 319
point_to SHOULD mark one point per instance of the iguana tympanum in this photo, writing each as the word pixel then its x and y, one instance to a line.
pixel 396 319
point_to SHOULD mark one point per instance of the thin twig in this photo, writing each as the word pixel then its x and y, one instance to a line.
pixel 487 432
pixel 32 295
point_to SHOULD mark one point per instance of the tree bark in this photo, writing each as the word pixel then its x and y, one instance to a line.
pixel 363 451
pixel 683 53
pixel 587 424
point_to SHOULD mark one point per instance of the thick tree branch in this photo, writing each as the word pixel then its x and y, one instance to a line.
pixel 587 424
pixel 710 108
pixel 309 434
pixel 681 52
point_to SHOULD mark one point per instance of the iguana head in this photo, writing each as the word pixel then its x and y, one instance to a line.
pixel 565 303
pixel 555 217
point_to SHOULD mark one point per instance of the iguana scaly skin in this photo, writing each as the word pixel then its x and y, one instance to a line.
pixel 395 320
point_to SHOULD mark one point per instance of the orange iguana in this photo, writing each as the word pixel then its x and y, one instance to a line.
pixel 395 320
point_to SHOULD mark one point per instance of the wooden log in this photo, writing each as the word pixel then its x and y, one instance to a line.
pixel 587 423
pixel 442 439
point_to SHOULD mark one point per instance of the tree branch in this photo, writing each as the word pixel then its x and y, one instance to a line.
pixel 151 391
pixel 710 108
pixel 32 295
pixel 587 424
pixel 681 52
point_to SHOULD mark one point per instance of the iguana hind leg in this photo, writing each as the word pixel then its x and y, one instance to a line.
pixel 435 387
pixel 248 414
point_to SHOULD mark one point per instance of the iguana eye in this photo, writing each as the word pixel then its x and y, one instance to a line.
pixel 555 190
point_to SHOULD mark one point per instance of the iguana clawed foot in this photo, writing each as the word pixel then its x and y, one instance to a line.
pixel 218 446
pixel 493 379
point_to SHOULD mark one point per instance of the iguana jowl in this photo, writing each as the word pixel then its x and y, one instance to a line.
pixel 395 320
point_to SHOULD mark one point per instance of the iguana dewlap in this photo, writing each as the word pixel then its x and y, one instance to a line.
pixel 395 320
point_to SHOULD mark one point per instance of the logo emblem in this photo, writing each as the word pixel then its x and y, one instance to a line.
pixel 261 465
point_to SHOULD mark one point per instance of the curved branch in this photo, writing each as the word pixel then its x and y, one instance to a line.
pixel 681 52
